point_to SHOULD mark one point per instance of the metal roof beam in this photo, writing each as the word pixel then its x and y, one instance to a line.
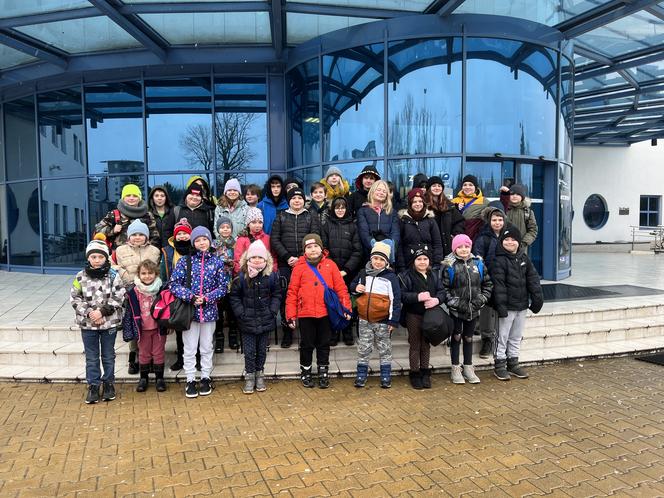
pixel 443 7
pixel 41 18
pixel 591 54
pixel 345 11
pixel 32 47
pixel 601 16
pixel 616 95
pixel 278 27
pixel 656 57
pixel 191 7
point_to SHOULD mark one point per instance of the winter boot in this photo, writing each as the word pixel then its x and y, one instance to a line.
pixel 305 376
pixel 133 365
pixel 426 378
pixel 159 374
pixel 334 338
pixel 249 383
pixel 232 339
pixel 469 374
pixel 323 376
pixel 386 376
pixel 143 381
pixel 487 347
pixel 179 362
pixel 93 395
pixel 500 370
pixel 260 381
pixel 514 368
pixel 347 335
pixel 219 342
pixel 362 374
pixel 457 377
pixel 415 379
pixel 287 338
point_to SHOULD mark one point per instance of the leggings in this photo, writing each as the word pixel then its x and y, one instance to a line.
pixel 419 350
pixel 465 329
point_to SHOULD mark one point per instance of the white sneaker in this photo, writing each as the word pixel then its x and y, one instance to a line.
pixel 457 378
pixel 469 374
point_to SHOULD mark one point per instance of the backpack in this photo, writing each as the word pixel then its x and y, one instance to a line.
pixel 336 312
pixel 171 312
pixel 480 267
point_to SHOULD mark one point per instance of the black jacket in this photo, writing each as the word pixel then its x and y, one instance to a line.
pixel 412 283
pixel 342 240
pixel 450 223
pixel 357 200
pixel 516 284
pixel 468 289
pixel 288 230
pixel 415 234
pixel 255 302
pixel 201 216
pixel 159 220
pixel 485 245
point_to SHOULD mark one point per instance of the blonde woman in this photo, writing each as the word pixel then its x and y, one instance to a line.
pixel 377 220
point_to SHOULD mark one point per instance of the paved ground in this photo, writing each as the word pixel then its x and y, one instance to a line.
pixel 575 429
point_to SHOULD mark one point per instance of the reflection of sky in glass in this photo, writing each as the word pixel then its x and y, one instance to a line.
pixel 401 172
pixel 489 175
pixel 114 139
pixel 165 135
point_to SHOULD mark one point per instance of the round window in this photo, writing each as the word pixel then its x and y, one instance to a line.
pixel 595 212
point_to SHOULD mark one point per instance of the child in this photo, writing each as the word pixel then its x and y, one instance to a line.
pixel 255 298
pixel 318 204
pixel 159 204
pixel 305 302
pixel 418 228
pixel 367 177
pixel 450 220
pixel 252 194
pixel 468 288
pixel 470 201
pixel 128 256
pixel 377 220
pixel 138 322
pixel 232 206
pixel 421 289
pixel 97 295
pixel 274 200
pixel 516 288
pixel 519 213
pixel 253 232
pixel 209 283
pixel 225 247
pixel 378 308
pixel 335 184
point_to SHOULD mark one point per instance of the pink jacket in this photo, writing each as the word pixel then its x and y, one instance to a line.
pixel 243 244
pixel 145 302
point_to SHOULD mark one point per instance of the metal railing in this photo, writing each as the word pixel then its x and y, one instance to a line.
pixel 654 235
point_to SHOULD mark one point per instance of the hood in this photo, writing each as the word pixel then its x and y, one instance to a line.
pixel 403 213
pixel 332 215
pixel 487 213
pixel 369 168
pixel 169 203
pixel 267 193
pixel 419 179
pixel 193 178
pixel 268 267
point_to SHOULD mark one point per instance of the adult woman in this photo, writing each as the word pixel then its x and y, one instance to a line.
pixel 471 203
pixel 450 221
pixel 377 220
pixel 418 229
pixel 193 207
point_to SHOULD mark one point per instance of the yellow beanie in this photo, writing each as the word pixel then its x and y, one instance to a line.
pixel 131 189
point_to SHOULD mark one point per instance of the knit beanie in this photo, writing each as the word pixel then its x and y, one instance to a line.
pixel 293 192
pixel 232 184
pixel 182 226
pixel 470 179
pixel 435 180
pixel 97 247
pixel 292 179
pixel 200 231
pixel 333 170
pixel 195 189
pixel 518 189
pixel 254 214
pixel 382 249
pixel 461 240
pixel 416 192
pixel 312 238
pixel 421 250
pixel 131 189
pixel 257 248
pixel 137 226
pixel 223 220
pixel 512 232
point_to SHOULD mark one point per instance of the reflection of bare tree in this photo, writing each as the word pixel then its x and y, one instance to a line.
pixel 413 130
pixel 197 145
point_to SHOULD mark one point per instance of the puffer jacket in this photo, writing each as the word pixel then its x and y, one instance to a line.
pixel 412 283
pixel 270 206
pixel 386 283
pixel 305 297
pixel 129 257
pixel 255 301
pixel 485 245
pixel 238 216
pixel 243 243
pixel 342 240
pixel 472 213
pixel 450 223
pixel 516 283
pixel 377 226
pixel 467 292
pixel 323 211
pixel 522 217
pixel 416 233
pixel 201 216
pixel 105 294
pixel 288 230
pixel 107 224
pixel 208 279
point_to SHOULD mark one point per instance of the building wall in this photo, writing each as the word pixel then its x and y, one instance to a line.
pixel 621 175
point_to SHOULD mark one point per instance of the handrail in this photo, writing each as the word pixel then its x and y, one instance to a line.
pixel 655 235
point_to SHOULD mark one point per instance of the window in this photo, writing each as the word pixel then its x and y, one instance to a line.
pixel 649 210
pixel 595 212
pixel 75 147
pixel 56 219
pixel 63 141
pixel 54 136
pixel 65 220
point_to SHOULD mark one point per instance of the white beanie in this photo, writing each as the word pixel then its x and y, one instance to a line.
pixel 232 184
pixel 97 247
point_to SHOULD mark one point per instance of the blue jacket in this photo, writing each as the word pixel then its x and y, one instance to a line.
pixel 132 323
pixel 207 278
pixel 270 212
pixel 373 225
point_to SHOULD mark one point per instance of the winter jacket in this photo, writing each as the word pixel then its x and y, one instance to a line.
pixel 133 322
pixel 377 226
pixel 472 213
pixel 108 222
pixel 323 211
pixel 207 278
pixel 288 230
pixel 358 199
pixel 516 284
pixel 158 218
pixel 466 291
pixel 305 296
pixel 331 192
pixel 522 217
pixel 227 255
pixel 256 301
pixel 243 243
pixel 412 283
pixel 105 294
pixel 450 223
pixel 169 258
pixel 416 233
pixel 342 240
pixel 201 216
pixel 129 257
pixel 238 217
pixel 271 206
pixel 485 245
pixel 386 283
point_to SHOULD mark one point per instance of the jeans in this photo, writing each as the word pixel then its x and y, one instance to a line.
pixel 93 341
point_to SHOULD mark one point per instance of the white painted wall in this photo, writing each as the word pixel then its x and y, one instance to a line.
pixel 620 175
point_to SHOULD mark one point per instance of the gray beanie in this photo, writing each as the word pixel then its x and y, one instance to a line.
pixel 222 221
pixel 137 226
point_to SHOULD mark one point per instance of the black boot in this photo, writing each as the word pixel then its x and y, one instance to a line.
pixel 334 338
pixel 500 370
pixel 305 377
pixel 133 365
pixel 287 339
pixel 159 374
pixel 347 335
pixel 426 378
pixel 516 370
pixel 415 379
pixel 179 362
pixel 487 347
pixel 143 381
pixel 323 377
pixel 232 338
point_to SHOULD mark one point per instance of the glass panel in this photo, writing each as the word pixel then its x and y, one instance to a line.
pixel 20 139
pixel 2 148
pixel 402 171
pixel 353 127
pixel 175 184
pixel 595 212
pixel 64 225
pixel 207 28
pixel 240 123
pixel 304 113
pixel 511 98
pixel 603 81
pixel 4 238
pixel 566 110
pixel 308 176
pixel 532 176
pixel 535 250
pixel 489 176
pixel 179 124
pixel 104 193
pixel 60 116
pixel 303 27
pixel 12 8
pixel 90 34
pixel 424 95
pixel 647 72
pixel 114 114
pixel 23 218
pixel 10 57
pixel 564 217
pixel 244 177
pixel 412 5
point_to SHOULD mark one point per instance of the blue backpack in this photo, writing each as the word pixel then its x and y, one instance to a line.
pixel 335 310
pixel 480 267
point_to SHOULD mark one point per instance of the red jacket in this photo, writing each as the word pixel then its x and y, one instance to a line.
pixel 305 298
pixel 243 244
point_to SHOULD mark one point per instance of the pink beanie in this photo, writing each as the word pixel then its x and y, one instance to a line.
pixel 257 248
pixel 461 240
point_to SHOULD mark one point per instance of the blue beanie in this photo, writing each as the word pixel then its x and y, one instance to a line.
pixel 200 231
pixel 137 226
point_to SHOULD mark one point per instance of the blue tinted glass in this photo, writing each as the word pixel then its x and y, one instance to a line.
pixel 23 223
pixel 179 124
pixel 20 139
pixel 175 184
pixel 104 193
pixel 64 222
pixel 402 171
pixel 2 147
pixel 304 113
pixel 512 92
pixel 4 226
pixel 566 110
pixel 308 176
pixel 353 103
pixel 61 135
pixel 424 91
pixel 532 177
pixel 603 81
pixel 564 217
pixel 303 27
pixel 489 175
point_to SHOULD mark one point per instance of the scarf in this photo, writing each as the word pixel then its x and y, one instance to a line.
pixel 419 215
pixel 371 271
pixel 182 247
pixel 253 270
pixel 340 190
pixel 226 244
pixel 314 262
pixel 100 272
pixel 133 212
pixel 149 290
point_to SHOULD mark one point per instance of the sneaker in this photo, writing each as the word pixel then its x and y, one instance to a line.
pixel 206 386
pixel 191 390
pixel 487 348
pixel 305 377
pixel 260 381
pixel 93 395
pixel 457 377
pixel 469 374
pixel 249 383
pixel 323 377
pixel 109 391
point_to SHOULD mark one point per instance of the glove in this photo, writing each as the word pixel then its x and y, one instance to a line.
pixel 423 296
pixel 430 303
